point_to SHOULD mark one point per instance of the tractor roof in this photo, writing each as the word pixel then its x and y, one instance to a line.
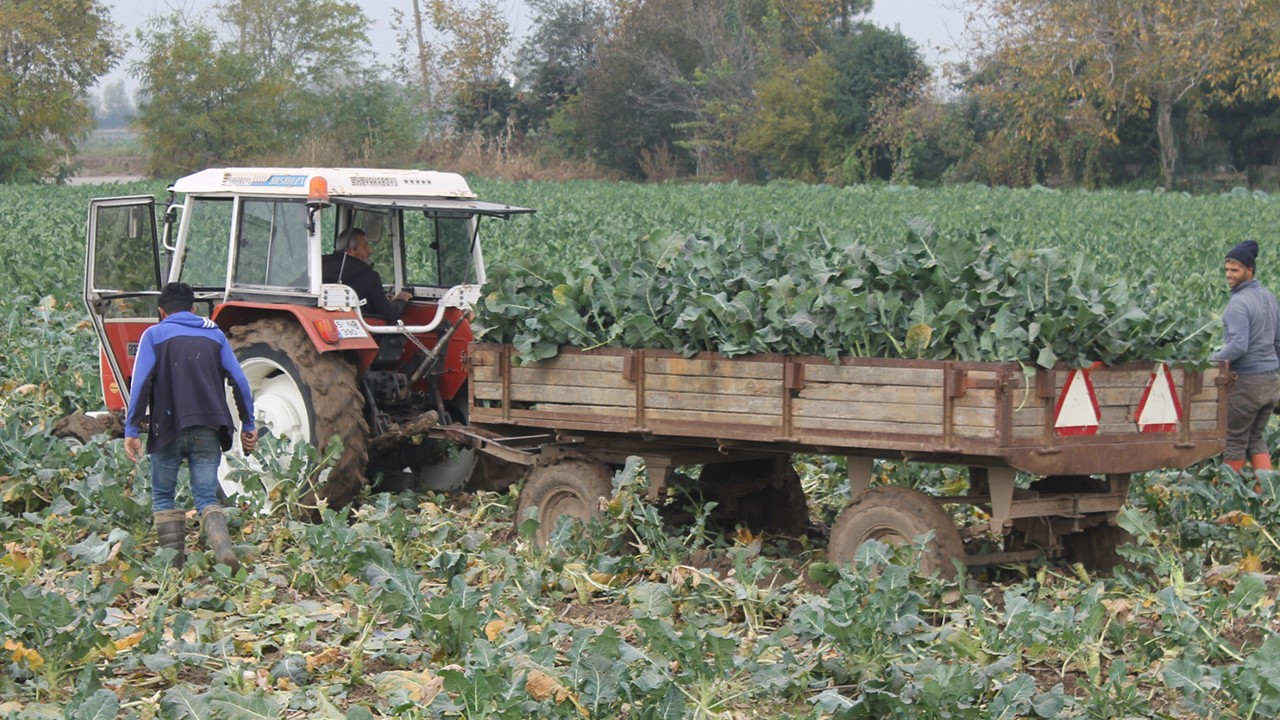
pixel 342 182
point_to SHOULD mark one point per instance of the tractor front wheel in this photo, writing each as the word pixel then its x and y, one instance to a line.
pixel 306 396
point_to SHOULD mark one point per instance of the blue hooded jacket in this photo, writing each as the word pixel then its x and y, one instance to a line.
pixel 180 372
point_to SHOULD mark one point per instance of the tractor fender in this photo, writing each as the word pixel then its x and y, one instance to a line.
pixel 238 312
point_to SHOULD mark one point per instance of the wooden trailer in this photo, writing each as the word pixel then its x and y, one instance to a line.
pixel 1081 433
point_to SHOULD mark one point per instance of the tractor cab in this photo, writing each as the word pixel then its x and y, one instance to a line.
pixel 251 242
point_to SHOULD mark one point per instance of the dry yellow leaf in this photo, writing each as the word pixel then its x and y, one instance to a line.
pixel 542 686
pixel 494 629
pixel 681 573
pixel 1250 563
pixel 328 656
pixel 23 654
pixel 15 558
pixel 605 579
pixel 422 687
pixel 1119 608
pixel 1236 517
pixel 745 536
pixel 128 641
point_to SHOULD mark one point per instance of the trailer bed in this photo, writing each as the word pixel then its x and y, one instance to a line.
pixel 982 413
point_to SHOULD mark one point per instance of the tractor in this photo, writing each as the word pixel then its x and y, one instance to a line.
pixel 250 242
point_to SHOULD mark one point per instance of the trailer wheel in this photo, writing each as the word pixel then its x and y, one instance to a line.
pixel 571 488
pixel 1095 547
pixel 307 396
pixel 896 515
pixel 773 498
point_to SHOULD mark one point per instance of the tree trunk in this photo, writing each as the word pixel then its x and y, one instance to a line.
pixel 1168 146
pixel 422 54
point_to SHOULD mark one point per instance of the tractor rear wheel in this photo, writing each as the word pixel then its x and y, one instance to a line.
pixel 307 396
pixel 897 515
pixel 569 488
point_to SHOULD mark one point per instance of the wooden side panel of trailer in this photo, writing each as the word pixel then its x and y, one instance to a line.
pixel 983 410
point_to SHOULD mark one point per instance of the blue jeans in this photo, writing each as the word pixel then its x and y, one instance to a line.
pixel 201 447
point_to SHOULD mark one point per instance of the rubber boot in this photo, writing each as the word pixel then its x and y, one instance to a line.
pixel 1261 461
pixel 1237 465
pixel 214 524
pixel 171 528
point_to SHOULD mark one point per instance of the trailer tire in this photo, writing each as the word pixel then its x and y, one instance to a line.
pixel 307 393
pixel 778 506
pixel 1095 548
pixel 896 515
pixel 569 487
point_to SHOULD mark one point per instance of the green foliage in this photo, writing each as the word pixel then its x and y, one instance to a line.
pixel 765 292
pixel 422 606
pixel 288 79
pixel 53 52
pixel 870 61
pixel 795 131
pixel 205 103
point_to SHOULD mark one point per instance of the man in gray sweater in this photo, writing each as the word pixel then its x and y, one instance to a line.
pixel 1251 347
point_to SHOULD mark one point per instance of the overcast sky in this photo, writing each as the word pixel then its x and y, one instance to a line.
pixel 935 25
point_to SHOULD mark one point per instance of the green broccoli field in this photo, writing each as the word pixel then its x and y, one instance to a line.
pixel 424 606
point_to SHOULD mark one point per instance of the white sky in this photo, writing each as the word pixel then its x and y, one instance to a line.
pixel 935 25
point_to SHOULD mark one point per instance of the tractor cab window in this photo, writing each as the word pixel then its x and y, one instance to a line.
pixel 271 245
pixel 438 248
pixel 208 234
pixel 379 227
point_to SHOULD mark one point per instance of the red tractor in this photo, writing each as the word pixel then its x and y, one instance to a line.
pixel 250 241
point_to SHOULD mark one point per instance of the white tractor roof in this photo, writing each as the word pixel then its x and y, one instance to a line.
pixel 343 182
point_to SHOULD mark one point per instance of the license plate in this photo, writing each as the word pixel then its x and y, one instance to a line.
pixel 350 329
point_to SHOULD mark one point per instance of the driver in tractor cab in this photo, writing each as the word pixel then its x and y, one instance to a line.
pixel 349 264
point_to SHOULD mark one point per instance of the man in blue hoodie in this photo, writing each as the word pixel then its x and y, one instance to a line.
pixel 1251 347
pixel 180 373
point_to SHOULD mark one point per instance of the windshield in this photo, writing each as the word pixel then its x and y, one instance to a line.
pixel 438 248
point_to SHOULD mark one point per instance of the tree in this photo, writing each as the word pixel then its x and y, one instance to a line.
pixel 310 42
pixel 51 53
pixel 796 132
pixel 263 90
pixel 1137 57
pixel 556 55
pixel 870 61
pixel 116 108
pixel 466 61
pixel 202 103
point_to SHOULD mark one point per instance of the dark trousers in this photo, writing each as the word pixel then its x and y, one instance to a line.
pixel 1252 401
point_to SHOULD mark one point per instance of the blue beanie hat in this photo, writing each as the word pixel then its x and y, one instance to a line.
pixel 1246 253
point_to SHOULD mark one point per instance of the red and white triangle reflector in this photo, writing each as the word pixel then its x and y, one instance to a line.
pixel 1077 412
pixel 1159 410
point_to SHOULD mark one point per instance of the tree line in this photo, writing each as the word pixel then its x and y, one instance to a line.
pixel 1077 92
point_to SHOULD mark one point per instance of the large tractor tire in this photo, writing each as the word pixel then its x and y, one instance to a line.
pixel 569 488
pixel 897 515
pixel 307 396
pixel 763 493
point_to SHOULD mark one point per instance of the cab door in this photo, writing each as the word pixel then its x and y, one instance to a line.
pixel 122 282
